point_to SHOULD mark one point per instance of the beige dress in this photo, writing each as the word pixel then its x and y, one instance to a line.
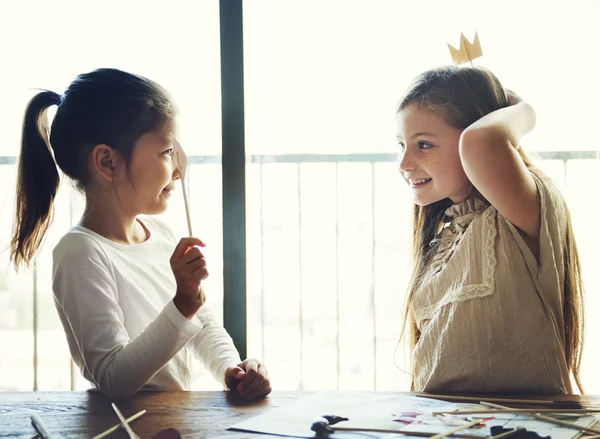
pixel 489 315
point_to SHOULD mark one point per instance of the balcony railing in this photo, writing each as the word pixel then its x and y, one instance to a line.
pixel 328 258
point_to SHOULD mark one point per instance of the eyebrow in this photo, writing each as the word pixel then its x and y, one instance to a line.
pixel 422 134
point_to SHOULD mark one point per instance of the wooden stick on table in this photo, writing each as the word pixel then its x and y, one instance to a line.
pixel 128 429
pixel 116 427
pixel 477 399
pixel 547 419
pixel 455 429
pixel 40 427
pixel 427 434
pixel 518 411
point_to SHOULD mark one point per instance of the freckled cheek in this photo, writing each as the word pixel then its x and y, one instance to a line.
pixel 452 160
pixel 434 166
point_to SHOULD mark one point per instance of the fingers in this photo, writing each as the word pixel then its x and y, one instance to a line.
pixel 512 97
pixel 263 390
pixel 195 263
pixel 192 254
pixel 250 366
pixel 252 381
pixel 199 274
pixel 184 244
pixel 233 375
pixel 189 268
pixel 256 383
pixel 192 261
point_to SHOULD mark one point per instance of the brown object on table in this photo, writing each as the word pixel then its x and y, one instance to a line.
pixel 194 414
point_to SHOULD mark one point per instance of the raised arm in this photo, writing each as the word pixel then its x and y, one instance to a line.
pixel 490 157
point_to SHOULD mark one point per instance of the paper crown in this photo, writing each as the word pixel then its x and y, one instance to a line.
pixel 467 51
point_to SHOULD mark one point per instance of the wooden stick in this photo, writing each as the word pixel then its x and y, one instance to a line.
pixel 547 419
pixel 187 208
pixel 128 429
pixel 470 398
pixel 408 432
pixel 517 411
pixel 116 427
pixel 40 427
pixel 508 433
pixel 455 429
pixel 179 155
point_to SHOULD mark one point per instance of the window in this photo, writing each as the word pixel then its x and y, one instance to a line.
pixel 175 44
pixel 327 217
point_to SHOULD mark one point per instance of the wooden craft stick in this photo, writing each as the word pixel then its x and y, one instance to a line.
pixel 128 429
pixel 116 427
pixel 547 419
pixel 470 398
pixel 39 426
pixel 181 163
pixel 508 433
pixel 409 433
pixel 187 207
pixel 517 411
pixel 458 428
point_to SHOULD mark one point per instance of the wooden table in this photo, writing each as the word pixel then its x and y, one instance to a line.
pixel 194 414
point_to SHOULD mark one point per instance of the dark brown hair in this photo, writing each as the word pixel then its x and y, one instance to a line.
pixel 105 106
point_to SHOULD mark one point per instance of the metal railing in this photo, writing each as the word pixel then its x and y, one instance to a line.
pixel 256 184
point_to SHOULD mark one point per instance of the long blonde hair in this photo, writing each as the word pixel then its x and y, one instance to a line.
pixel 462 95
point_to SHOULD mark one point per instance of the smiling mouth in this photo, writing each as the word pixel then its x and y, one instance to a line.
pixel 418 182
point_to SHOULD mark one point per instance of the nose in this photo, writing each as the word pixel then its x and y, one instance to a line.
pixel 178 160
pixel 176 174
pixel 406 162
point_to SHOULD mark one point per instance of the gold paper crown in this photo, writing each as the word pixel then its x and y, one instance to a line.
pixel 467 52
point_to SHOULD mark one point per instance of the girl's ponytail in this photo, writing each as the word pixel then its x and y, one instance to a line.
pixel 37 181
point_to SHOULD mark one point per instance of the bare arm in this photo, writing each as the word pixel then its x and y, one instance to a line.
pixel 490 157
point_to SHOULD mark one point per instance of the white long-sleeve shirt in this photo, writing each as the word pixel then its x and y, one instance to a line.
pixel 115 303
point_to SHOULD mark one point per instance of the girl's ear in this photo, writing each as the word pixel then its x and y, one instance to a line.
pixel 104 161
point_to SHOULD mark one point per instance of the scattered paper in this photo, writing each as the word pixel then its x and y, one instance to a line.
pixel 401 412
